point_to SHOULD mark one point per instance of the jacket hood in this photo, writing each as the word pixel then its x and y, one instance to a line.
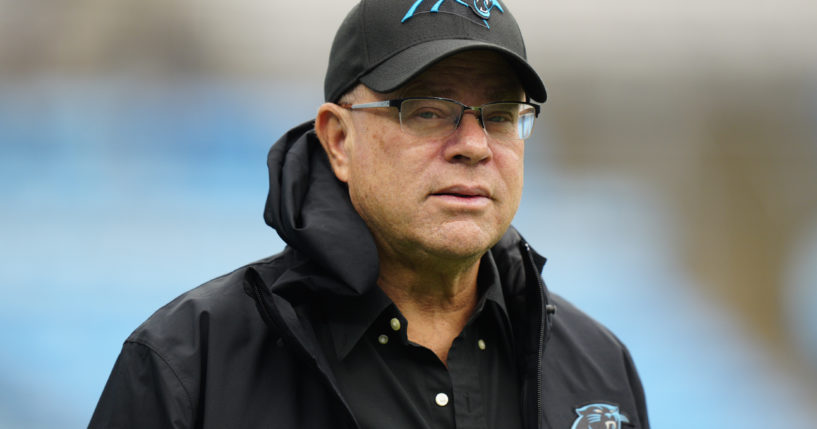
pixel 311 211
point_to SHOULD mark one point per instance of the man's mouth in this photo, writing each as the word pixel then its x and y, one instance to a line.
pixel 463 193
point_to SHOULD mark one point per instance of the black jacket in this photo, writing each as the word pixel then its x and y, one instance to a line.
pixel 240 350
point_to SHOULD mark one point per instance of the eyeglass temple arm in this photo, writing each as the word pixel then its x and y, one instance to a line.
pixel 386 103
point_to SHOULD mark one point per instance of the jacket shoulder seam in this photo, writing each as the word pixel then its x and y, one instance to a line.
pixel 166 362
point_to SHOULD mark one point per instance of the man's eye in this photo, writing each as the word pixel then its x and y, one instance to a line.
pixel 427 114
pixel 500 117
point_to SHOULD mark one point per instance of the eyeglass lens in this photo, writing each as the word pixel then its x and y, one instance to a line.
pixel 434 117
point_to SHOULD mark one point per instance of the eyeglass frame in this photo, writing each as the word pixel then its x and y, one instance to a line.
pixel 398 102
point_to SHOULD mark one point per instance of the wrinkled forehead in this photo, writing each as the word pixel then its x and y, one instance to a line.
pixel 483 73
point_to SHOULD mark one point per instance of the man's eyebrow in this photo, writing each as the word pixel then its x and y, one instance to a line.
pixel 424 88
pixel 506 94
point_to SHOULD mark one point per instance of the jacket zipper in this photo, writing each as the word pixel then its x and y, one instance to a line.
pixel 545 310
pixel 274 318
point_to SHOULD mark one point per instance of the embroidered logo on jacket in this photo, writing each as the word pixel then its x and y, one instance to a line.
pixel 599 416
pixel 481 8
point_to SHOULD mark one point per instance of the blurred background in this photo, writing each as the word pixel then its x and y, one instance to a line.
pixel 671 181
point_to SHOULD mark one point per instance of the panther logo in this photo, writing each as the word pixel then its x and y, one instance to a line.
pixel 482 8
pixel 599 416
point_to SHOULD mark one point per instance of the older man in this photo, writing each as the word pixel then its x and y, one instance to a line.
pixel 404 299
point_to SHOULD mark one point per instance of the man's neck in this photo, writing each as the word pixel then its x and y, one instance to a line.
pixel 436 303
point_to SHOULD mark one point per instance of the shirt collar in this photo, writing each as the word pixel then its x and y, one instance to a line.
pixel 351 317
pixel 490 287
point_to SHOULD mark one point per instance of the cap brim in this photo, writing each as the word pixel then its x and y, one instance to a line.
pixel 402 67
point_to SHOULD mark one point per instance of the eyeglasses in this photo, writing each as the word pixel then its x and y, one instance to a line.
pixel 439 117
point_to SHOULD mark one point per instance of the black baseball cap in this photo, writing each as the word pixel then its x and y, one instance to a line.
pixel 385 43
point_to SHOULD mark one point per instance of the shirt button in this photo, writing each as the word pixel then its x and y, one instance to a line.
pixel 481 344
pixel 441 399
pixel 395 323
pixel 383 339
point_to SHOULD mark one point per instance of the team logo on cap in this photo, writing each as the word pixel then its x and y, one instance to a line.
pixel 481 8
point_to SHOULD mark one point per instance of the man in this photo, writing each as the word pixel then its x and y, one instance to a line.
pixel 404 299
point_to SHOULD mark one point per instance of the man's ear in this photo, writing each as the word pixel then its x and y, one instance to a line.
pixel 332 125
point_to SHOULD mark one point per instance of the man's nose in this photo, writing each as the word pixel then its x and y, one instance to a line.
pixel 470 142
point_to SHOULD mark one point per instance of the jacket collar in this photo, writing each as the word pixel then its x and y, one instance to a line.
pixel 309 207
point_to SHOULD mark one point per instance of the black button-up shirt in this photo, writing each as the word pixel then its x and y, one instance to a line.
pixel 390 382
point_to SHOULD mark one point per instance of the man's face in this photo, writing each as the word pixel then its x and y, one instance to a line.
pixel 443 198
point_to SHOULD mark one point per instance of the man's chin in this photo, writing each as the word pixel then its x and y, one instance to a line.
pixel 462 243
